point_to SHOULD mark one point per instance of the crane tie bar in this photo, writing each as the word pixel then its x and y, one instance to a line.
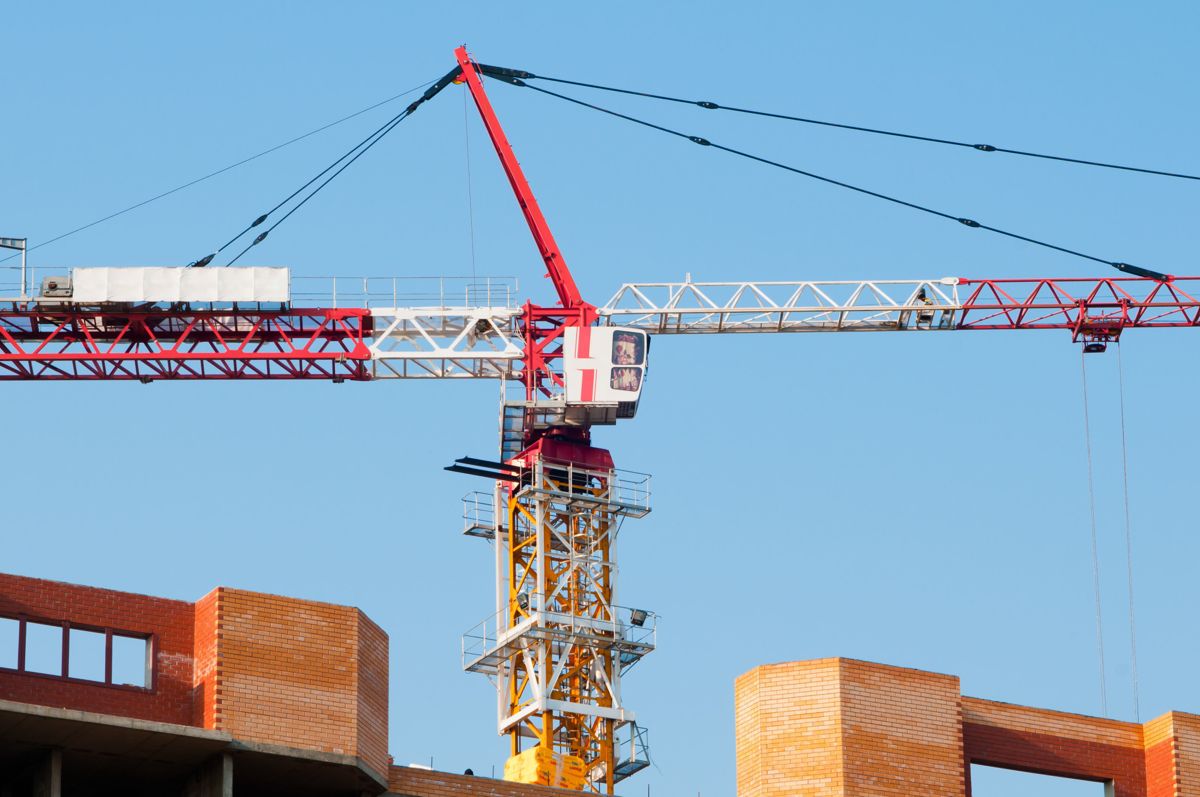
pixel 712 106
pixel 518 78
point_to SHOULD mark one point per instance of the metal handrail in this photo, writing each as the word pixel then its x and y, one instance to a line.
pixel 486 636
pixel 439 291
pixel 333 291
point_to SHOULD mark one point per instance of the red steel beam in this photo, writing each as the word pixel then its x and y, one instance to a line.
pixel 41 343
pixel 1088 307
pixel 556 265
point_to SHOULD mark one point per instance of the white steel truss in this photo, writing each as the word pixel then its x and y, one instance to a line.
pixel 485 342
pixel 829 306
pixel 445 342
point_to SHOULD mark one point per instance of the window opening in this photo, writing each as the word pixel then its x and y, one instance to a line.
pixel 10 638
pixel 58 649
pixel 85 655
pixel 996 782
pixel 131 661
pixel 43 648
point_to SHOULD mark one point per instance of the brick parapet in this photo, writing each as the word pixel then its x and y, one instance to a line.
pixel 1060 724
pixel 372 689
pixel 170 622
pixel 901 731
pixel 264 668
pixel 748 730
pixel 895 731
pixel 205 670
pixel 788 730
pixel 414 782
pixel 1173 755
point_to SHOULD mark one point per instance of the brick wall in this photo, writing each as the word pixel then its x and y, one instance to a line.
pixel 204 674
pixel 264 668
pixel 1187 754
pixel 372 694
pixel 171 623
pixel 788 730
pixel 409 782
pixel 300 674
pixel 1173 756
pixel 901 732
pixel 844 728
pixel 747 723
pixel 1056 743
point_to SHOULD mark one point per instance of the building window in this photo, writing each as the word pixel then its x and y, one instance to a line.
pixel 73 652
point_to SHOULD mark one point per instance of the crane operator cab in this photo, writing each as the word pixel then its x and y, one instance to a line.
pixel 605 370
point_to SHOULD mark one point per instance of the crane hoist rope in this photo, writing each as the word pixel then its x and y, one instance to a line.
pixel 1091 482
pixel 1128 533
pixel 1137 713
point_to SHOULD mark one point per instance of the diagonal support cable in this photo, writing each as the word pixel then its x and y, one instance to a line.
pixel 967 222
pixel 712 106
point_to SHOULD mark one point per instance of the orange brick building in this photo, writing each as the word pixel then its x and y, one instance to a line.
pixel 242 693
pixel 845 728
pixel 238 693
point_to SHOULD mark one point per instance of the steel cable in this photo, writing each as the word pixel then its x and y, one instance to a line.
pixel 1087 436
pixel 1128 540
pixel 470 191
pixel 967 222
pixel 350 156
pixel 222 170
pixel 859 128
pixel 360 147
pixel 377 136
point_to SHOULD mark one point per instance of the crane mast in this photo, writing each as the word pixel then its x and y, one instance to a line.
pixel 558 643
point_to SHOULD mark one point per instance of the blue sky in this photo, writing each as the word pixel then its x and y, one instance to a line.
pixel 917 500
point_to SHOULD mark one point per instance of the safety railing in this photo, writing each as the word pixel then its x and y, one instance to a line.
pixel 626 491
pixel 10 283
pixel 405 291
pixel 343 292
pixel 632 631
pixel 632 749
pixel 479 514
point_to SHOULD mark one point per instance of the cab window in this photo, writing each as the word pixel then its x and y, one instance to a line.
pixel 626 379
pixel 629 348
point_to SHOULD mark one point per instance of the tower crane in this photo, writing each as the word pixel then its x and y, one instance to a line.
pixel 559 642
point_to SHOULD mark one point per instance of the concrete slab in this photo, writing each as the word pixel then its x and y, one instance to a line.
pixel 103 754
